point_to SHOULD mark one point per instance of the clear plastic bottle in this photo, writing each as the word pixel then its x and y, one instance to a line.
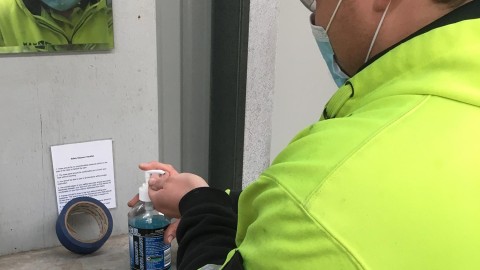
pixel 145 228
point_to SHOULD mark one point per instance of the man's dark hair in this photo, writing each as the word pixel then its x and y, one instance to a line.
pixel 451 3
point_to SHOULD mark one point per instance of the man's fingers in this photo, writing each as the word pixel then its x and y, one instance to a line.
pixel 155 165
pixel 156 182
pixel 133 201
pixel 171 232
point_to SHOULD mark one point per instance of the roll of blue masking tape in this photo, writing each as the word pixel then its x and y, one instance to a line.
pixel 69 237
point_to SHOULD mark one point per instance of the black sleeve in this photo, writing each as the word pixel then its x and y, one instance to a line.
pixel 206 233
pixel 234 196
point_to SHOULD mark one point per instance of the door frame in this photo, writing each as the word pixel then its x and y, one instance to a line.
pixel 230 27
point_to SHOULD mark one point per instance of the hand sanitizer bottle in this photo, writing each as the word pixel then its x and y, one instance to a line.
pixel 145 228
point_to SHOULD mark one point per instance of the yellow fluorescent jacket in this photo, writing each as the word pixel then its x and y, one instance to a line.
pixel 390 180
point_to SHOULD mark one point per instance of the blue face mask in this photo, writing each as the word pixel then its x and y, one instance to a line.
pixel 326 49
pixel 61 5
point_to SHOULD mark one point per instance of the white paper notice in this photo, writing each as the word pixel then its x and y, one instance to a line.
pixel 84 169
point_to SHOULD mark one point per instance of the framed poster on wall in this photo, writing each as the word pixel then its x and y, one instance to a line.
pixel 33 26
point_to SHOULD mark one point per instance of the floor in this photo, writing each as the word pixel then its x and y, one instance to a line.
pixel 112 255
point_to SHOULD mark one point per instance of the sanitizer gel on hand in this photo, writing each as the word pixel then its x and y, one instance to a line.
pixel 146 227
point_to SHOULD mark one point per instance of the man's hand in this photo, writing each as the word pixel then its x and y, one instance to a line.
pixel 153 165
pixel 167 191
pixel 133 201
pixel 171 232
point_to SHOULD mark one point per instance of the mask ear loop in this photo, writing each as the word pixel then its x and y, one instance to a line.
pixel 333 16
pixel 376 32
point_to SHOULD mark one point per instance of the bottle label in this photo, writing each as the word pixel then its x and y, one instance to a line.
pixel 147 249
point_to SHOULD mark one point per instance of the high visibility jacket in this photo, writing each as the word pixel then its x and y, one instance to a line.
pixel 388 179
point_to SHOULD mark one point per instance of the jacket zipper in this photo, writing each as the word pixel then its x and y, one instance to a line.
pixel 54 29
pixel 81 23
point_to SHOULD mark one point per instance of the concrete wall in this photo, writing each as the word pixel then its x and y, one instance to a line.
pixel 260 85
pixel 132 95
pixel 302 82
pixel 288 82
pixel 58 99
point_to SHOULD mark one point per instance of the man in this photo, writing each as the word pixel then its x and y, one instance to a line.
pixel 43 25
pixel 387 179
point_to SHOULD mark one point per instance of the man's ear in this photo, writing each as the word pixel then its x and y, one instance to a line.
pixel 381 5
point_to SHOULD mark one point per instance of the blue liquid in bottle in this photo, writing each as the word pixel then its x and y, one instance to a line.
pixel 146 227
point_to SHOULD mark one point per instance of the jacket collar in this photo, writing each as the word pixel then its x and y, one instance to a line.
pixel 440 52
pixel 468 11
